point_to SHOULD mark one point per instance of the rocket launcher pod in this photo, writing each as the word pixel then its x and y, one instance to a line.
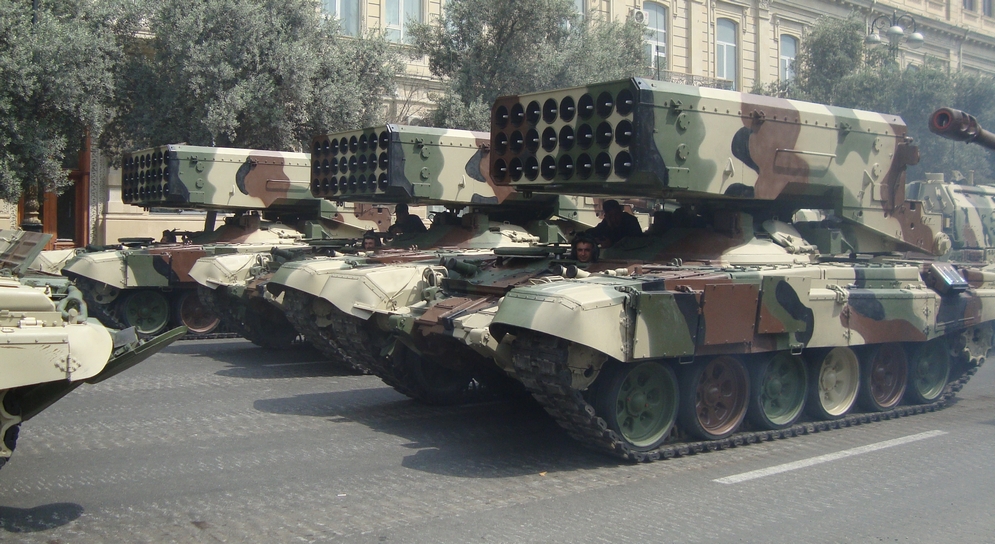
pixel 217 178
pixel 397 163
pixel 663 140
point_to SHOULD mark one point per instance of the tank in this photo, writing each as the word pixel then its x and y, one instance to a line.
pixel 48 345
pixel 147 285
pixel 331 300
pixel 727 326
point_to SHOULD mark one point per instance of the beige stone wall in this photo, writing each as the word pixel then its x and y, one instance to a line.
pixel 959 39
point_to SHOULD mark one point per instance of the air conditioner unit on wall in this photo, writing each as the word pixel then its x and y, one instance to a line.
pixel 637 15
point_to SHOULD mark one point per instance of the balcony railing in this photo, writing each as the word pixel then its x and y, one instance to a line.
pixel 693 80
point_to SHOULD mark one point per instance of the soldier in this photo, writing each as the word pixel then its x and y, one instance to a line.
pixel 616 225
pixel 584 250
pixel 405 223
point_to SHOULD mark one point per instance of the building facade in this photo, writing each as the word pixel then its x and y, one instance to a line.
pixel 727 43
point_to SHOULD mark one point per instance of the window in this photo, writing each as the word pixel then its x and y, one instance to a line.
pixel 347 12
pixel 725 50
pixel 789 50
pixel 656 35
pixel 969 5
pixel 399 13
pixel 581 7
pixel 987 8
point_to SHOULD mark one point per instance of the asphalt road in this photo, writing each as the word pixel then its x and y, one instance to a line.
pixel 220 441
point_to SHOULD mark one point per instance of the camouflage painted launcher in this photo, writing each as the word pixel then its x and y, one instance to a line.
pixel 396 163
pixel 656 139
pixel 960 126
pixel 185 176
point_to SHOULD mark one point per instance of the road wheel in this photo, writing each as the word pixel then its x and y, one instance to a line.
pixel 639 402
pixel 833 382
pixel 780 385
pixel 714 397
pixel 929 370
pixel 146 310
pixel 192 313
pixel 883 377
pixel 9 423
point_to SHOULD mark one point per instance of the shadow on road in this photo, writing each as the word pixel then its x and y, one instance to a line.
pixel 250 361
pixel 498 439
pixel 39 518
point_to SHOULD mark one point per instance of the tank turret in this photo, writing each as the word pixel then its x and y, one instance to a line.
pixel 961 127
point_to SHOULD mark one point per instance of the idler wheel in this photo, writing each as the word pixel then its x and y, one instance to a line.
pixel 883 378
pixel 714 397
pixel 639 402
pixel 193 314
pixel 146 310
pixel 929 369
pixel 780 386
pixel 833 382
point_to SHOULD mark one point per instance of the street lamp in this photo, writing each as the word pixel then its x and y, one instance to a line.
pixel 894 28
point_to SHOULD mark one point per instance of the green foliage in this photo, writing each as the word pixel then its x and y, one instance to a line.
pixel 489 48
pixel 262 74
pixel 835 67
pixel 57 83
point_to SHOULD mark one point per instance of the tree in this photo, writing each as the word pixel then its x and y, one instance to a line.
pixel 488 48
pixel 56 67
pixel 262 74
pixel 835 67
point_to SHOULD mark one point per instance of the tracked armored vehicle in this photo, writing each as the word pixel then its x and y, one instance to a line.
pixel 48 346
pixel 729 326
pixel 332 300
pixel 266 191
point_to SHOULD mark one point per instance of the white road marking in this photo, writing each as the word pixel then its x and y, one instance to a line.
pixel 754 474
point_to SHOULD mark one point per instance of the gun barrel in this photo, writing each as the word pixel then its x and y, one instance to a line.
pixel 960 126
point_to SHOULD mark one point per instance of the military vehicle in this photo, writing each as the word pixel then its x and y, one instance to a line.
pixel 148 286
pixel 331 300
pixel 728 326
pixel 48 346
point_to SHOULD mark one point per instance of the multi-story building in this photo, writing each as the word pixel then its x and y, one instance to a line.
pixel 723 43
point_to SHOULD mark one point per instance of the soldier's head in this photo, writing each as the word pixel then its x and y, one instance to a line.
pixel 401 210
pixel 584 249
pixel 370 241
pixel 613 210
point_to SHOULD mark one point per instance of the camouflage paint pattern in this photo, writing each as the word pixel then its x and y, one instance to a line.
pixel 662 140
pixel 398 163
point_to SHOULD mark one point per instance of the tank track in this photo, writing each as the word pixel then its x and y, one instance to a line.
pixel 297 306
pixel 541 365
pixel 232 311
pixel 109 314
pixel 358 344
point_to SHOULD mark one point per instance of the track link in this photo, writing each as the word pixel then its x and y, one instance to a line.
pixel 298 309
pixel 234 314
pixel 541 365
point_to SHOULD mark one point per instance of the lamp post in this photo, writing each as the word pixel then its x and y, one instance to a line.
pixel 31 220
pixel 897 29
